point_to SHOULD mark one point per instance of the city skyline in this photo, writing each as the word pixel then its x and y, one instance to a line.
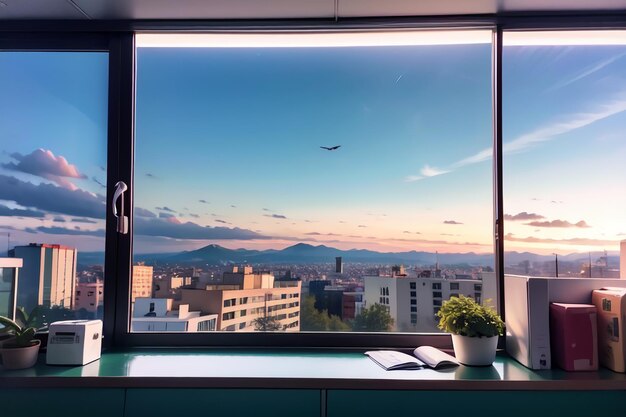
pixel 413 171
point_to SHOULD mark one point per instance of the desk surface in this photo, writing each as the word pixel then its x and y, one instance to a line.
pixel 195 368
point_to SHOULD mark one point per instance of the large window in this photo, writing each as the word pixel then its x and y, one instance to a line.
pixel 330 181
pixel 53 143
pixel 564 152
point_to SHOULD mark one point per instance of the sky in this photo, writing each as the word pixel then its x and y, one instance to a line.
pixel 228 148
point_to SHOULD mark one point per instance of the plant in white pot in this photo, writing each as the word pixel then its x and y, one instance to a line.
pixel 474 327
pixel 20 351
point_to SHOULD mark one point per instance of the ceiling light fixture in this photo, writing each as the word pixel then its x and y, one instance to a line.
pixel 313 39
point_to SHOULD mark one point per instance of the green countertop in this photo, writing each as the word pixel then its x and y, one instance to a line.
pixel 320 370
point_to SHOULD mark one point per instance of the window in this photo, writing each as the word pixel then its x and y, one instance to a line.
pixel 413 302
pixel 234 111
pixel 229 303
pixel 437 302
pixel 413 309
pixel 436 285
pixel 563 173
pixel 478 287
pixel 454 286
pixel 228 316
pixel 53 173
pixel 436 294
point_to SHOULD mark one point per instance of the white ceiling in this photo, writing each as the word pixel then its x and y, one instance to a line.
pixel 268 9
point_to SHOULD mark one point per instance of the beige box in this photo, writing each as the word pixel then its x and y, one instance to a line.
pixel 74 342
pixel 611 305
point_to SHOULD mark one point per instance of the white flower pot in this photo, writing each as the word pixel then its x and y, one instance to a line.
pixel 19 357
pixel 475 351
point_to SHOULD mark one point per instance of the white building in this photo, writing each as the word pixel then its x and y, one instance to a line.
pixel 413 302
pixel 156 315
pixel 48 277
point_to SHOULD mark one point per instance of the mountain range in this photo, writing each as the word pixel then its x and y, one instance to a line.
pixel 303 253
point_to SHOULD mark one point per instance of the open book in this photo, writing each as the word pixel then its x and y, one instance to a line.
pixel 425 356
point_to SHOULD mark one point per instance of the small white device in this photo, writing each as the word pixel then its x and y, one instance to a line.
pixel 74 342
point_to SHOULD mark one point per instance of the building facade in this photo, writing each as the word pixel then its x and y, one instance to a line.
pixel 89 296
pixel 158 315
pixel 48 277
pixel 244 297
pixel 142 281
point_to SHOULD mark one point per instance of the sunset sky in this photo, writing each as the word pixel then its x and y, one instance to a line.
pixel 228 148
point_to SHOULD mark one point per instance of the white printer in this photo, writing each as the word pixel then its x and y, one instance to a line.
pixel 74 342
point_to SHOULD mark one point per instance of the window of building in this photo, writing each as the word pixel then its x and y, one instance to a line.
pixel 437 294
pixel 413 302
pixel 412 285
pixel 413 293
pixel 436 285
pixel 478 287
pixel 454 286
pixel 413 309
pixel 437 302
pixel 228 316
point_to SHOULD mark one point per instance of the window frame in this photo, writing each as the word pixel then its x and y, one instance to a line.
pixel 59 41
pixel 117 38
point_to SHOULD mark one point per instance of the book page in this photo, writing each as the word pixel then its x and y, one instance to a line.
pixel 390 360
pixel 434 357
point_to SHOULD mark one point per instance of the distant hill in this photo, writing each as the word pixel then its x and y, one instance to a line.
pixel 303 253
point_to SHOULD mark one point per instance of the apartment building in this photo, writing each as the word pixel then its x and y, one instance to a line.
pixel 89 296
pixel 159 315
pixel 48 277
pixel 245 296
pixel 142 281
pixel 414 301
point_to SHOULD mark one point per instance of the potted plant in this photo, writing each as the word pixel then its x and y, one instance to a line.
pixel 474 327
pixel 20 351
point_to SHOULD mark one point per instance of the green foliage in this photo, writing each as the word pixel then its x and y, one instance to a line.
pixel 23 335
pixel 373 319
pixel 464 316
pixel 266 324
pixel 311 319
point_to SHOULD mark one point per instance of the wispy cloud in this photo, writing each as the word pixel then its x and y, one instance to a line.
pixel 451 222
pixel 523 216
pixel 426 172
pixel 203 201
pixel 576 241
pixel 559 224
pixel 276 216
pixel 565 124
pixel 586 72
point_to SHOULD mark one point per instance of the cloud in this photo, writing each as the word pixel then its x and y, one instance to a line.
pixel 48 197
pixel 559 223
pixel 451 222
pixel 43 163
pixel 564 124
pixel 83 220
pixel 427 171
pixel 190 230
pixel 166 215
pixel 9 212
pixel 361 225
pixel 94 179
pixel 576 241
pixel 523 216
pixel 221 221
pixel 165 208
pixel 149 175
pixel 275 216
pixel 194 215
pixel 204 202
pixel 233 206
pixel 142 212
pixel 321 234
pixel 63 231
pixel 587 72
pixel 58 219
pixel 406 231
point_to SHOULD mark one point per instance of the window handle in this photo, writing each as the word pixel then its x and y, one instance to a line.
pixel 122 221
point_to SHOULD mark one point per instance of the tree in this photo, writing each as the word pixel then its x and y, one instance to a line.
pixel 373 319
pixel 266 324
pixel 312 319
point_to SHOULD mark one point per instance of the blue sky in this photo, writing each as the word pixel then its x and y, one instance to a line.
pixel 227 147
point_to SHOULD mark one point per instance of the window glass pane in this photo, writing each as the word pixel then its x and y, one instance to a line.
pixel 345 172
pixel 564 153
pixel 53 142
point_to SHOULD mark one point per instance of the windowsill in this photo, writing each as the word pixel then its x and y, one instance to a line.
pixel 197 368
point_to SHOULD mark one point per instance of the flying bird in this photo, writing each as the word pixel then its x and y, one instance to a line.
pixel 332 148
